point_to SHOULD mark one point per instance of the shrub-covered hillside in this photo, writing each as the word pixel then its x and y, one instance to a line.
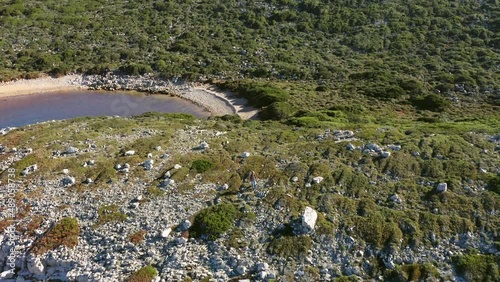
pixel 398 203
pixel 377 48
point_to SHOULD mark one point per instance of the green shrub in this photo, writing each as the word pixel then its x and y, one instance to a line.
pixel 155 191
pixel 109 213
pixel 414 272
pixel 64 233
pixel 180 174
pixel 202 165
pixel 277 111
pixel 476 267
pixel 290 246
pixel 311 122
pixel 494 184
pixel 145 274
pixel 257 94
pixel 431 102
pixel 213 221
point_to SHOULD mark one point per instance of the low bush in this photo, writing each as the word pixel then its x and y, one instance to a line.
pixel 145 274
pixel 477 267
pixel 202 165
pixel 414 272
pixel 277 111
pixel 137 237
pixel 213 221
pixel 290 246
pixel 64 233
pixel 257 93
pixel 109 213
pixel 494 184
pixel 431 102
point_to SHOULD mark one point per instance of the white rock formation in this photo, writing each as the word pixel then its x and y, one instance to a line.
pixel 309 218
pixel 442 187
pixel 317 179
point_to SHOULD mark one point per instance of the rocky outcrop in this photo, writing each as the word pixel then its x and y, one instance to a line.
pixel 309 218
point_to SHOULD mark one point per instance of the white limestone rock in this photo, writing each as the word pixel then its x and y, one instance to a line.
pixel 395 199
pixel 245 155
pixel 130 153
pixel 309 218
pixel 65 171
pixel 240 270
pixel 385 154
pixel 167 182
pixel 203 145
pixel 350 147
pixel 395 147
pixel 177 166
pixel 148 164
pixel 71 150
pixel 317 180
pixel 68 181
pixel 442 187
pixel 295 179
pixel 8 274
pixel 166 232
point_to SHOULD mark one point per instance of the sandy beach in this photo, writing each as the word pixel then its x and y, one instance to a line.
pixel 217 102
pixel 39 85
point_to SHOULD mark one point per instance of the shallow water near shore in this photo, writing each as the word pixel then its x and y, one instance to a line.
pixel 29 109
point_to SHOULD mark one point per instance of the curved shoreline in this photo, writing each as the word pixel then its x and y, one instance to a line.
pixel 215 101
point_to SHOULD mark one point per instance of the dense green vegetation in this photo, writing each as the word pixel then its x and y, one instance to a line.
pixel 377 48
pixel 476 267
pixel 145 274
pixel 214 221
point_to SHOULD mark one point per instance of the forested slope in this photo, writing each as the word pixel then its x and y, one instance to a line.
pixel 377 48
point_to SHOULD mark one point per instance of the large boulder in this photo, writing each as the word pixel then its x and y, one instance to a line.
pixel 317 179
pixel 68 181
pixel 442 187
pixel 385 154
pixel 309 218
pixel 203 145
pixel 165 232
pixel 148 164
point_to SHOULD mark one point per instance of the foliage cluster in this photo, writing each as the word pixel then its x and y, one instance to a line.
pixel 63 233
pixel 213 221
pixel 145 274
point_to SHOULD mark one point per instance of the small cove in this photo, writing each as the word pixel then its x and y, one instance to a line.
pixel 29 109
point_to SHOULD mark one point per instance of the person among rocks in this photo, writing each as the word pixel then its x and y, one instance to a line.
pixel 253 179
